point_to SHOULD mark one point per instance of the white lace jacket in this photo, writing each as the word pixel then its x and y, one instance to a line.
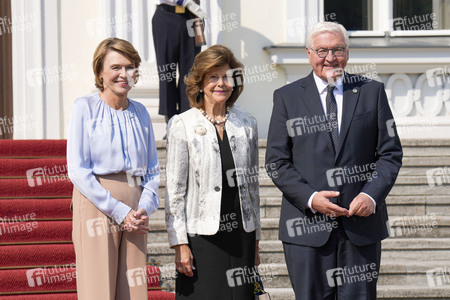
pixel 194 173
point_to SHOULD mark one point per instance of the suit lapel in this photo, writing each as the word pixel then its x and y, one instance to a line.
pixel 350 99
pixel 314 105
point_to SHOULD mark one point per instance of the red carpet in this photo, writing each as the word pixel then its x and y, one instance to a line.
pixel 33 148
pixel 41 208
pixel 37 259
pixel 20 167
pixel 152 295
pixel 42 187
pixel 36 255
pixel 58 296
pixel 36 231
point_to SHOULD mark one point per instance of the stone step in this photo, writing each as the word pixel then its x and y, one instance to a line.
pixel 397 206
pixel 418 274
pixel 419 223
pixel 418 205
pixel 160 253
pixel 393 249
pixel 280 293
pixel 397 190
pixel 411 147
pixel 426 249
pixel 407 176
pixel 275 275
pixel 412 166
pixel 431 226
pixel 406 143
pixel 406 190
pixel 402 292
pixel 421 162
pixel 424 190
pixel 384 292
pixel 422 182
pixel 430 249
pixel 406 170
pixel 418 156
pixel 411 157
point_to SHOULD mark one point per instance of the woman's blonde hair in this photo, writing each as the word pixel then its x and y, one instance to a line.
pixel 113 44
pixel 205 62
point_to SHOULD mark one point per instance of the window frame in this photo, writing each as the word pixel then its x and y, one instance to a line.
pixel 383 24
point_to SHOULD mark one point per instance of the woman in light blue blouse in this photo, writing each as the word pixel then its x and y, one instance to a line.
pixel 113 165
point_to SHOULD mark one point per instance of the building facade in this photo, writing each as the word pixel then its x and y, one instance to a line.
pixel 403 43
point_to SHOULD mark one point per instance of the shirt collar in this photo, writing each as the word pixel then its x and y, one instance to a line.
pixel 322 85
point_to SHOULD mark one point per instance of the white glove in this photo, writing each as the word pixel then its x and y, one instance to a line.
pixel 195 9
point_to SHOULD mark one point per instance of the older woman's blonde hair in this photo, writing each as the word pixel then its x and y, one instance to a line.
pixel 205 62
pixel 113 44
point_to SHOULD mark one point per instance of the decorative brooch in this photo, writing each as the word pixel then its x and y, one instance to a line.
pixel 200 130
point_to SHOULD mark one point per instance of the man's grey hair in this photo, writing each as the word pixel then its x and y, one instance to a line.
pixel 326 27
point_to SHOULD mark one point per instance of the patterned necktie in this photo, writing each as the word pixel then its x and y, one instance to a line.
pixel 332 115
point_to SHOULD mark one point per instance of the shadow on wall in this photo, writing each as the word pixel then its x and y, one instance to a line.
pixel 261 77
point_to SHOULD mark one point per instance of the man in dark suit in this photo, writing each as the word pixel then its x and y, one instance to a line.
pixel 332 153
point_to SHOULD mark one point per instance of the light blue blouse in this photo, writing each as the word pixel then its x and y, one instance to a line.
pixel 102 140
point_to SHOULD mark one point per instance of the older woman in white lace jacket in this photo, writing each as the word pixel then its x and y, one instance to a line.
pixel 194 179
pixel 212 163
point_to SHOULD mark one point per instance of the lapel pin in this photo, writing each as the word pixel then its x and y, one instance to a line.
pixel 355 91
pixel 200 130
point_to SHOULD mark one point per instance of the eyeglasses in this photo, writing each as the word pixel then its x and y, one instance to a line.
pixel 323 52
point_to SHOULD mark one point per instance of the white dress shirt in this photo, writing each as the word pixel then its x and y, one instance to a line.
pixel 338 93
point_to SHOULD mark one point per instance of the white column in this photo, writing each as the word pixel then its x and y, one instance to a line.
pixel 55 72
pixel 37 70
pixel 139 27
pixel 28 72
pixel 121 20
pixel 27 68
pixel 213 34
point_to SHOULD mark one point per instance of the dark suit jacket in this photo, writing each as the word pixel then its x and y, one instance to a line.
pixel 301 160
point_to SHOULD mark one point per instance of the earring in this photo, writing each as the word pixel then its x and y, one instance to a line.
pixel 201 91
pixel 199 96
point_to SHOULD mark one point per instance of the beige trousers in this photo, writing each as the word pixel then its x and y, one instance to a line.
pixel 110 262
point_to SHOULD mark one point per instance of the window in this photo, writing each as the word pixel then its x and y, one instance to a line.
pixel 353 14
pixel 405 17
pixel 420 14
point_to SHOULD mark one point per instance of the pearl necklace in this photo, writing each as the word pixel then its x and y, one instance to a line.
pixel 214 121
